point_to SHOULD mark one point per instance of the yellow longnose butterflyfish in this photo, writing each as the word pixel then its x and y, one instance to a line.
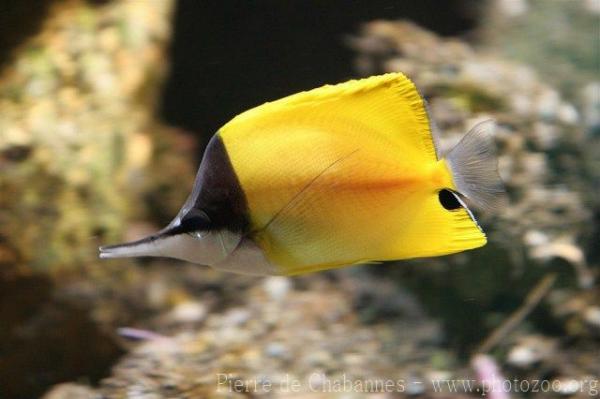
pixel 339 175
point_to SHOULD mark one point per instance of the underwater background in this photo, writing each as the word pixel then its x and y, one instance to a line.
pixel 105 108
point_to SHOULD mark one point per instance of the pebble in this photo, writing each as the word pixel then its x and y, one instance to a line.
pixel 236 317
pixel 318 358
pixel 592 6
pixel 546 135
pixel 567 113
pixel 590 95
pixel 566 386
pixel 512 8
pixel 521 104
pixel 277 287
pixel 415 386
pixel 536 237
pixel 522 356
pixel 557 249
pixel 548 103
pixel 530 350
pixel 188 312
pixel 276 350
pixel 592 316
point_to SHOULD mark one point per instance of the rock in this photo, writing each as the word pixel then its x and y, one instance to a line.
pixel 71 391
pixel 90 142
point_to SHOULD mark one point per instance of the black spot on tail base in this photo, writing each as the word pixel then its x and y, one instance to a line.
pixel 448 200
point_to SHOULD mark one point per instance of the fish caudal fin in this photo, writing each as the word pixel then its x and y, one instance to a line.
pixel 475 168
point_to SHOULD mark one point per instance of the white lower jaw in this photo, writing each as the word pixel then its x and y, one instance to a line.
pixel 206 249
pixel 248 258
pixel 210 249
pixel 222 250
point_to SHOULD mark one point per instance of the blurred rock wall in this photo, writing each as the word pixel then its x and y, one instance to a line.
pixel 81 158
pixel 78 140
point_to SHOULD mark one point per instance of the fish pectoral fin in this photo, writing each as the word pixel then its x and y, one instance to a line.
pixel 297 199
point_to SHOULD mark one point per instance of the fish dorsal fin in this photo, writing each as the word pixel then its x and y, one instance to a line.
pixel 390 105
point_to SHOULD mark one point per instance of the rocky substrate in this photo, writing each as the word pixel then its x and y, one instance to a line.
pixel 325 336
pixel 281 336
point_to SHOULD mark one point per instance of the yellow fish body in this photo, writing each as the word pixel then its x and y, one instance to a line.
pixel 334 176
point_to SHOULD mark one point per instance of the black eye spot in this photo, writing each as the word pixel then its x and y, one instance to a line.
pixel 448 200
pixel 195 220
pixel 192 222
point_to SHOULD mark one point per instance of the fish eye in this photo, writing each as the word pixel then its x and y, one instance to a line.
pixel 448 200
pixel 194 221
pixel 197 234
pixel 196 224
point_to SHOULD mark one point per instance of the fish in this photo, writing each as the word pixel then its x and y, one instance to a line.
pixel 339 175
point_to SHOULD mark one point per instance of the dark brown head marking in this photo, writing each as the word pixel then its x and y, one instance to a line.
pixel 217 200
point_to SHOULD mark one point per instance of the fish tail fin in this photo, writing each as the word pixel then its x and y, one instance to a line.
pixel 474 168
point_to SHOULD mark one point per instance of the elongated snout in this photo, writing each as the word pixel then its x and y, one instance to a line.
pixel 205 248
pixel 144 247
